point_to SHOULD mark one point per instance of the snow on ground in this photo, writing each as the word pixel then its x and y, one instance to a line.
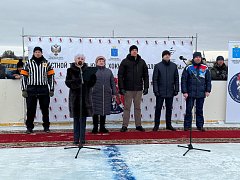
pixel 153 162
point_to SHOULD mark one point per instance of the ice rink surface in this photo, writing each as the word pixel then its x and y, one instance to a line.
pixel 147 162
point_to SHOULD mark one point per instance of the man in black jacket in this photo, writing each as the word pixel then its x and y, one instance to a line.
pixel 219 70
pixel 165 87
pixel 195 86
pixel 132 77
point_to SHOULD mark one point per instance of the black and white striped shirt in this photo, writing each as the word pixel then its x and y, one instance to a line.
pixel 37 74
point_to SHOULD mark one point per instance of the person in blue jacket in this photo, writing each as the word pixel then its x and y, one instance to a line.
pixel 16 74
pixel 195 86
pixel 165 87
pixel 2 71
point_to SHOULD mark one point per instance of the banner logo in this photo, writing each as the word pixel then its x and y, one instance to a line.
pixel 172 50
pixel 56 49
pixel 114 52
pixel 236 52
pixel 234 87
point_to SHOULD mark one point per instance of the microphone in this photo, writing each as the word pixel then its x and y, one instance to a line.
pixel 80 63
pixel 182 58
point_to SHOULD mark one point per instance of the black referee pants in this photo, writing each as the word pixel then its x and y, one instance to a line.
pixel 44 101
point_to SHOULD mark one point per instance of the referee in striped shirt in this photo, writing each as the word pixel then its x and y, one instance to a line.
pixel 37 84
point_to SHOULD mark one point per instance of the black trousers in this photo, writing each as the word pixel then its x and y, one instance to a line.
pixel 159 104
pixel 96 120
pixel 44 101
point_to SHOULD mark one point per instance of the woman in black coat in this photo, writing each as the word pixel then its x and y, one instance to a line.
pixel 80 79
pixel 102 93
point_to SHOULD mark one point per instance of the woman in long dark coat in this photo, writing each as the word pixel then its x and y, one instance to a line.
pixel 80 79
pixel 102 93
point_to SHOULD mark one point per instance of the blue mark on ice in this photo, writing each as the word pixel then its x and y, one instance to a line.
pixel 119 167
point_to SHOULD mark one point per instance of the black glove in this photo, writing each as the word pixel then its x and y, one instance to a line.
pixel 24 94
pixel 175 93
pixel 223 76
pixel 145 91
pixel 156 94
pixel 51 93
pixel 122 92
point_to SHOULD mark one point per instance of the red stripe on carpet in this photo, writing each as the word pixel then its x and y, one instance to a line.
pixel 67 136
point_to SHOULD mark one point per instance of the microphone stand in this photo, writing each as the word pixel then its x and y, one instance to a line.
pixel 80 146
pixel 190 146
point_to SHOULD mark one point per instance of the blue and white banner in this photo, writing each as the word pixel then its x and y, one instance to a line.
pixel 233 86
pixel 61 51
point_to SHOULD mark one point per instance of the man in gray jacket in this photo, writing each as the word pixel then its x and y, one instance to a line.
pixel 165 87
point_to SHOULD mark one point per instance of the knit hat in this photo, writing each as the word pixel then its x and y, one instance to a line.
pixel 99 58
pixel 220 58
pixel 132 48
pixel 37 49
pixel 197 54
pixel 166 52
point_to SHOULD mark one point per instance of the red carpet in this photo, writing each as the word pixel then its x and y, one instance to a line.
pixel 132 135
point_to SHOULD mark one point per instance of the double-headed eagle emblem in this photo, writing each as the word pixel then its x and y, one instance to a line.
pixel 56 49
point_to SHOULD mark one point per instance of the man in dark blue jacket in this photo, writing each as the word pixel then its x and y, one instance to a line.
pixel 2 72
pixel 195 85
pixel 165 87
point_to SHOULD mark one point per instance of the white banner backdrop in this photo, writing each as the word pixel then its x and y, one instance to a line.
pixel 233 87
pixel 61 51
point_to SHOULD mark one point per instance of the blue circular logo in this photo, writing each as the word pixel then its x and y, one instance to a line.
pixel 234 87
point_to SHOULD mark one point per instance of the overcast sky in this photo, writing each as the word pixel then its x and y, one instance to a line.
pixel 215 21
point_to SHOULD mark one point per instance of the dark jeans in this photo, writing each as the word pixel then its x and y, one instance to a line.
pixel 159 104
pixel 79 129
pixel 44 101
pixel 199 112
